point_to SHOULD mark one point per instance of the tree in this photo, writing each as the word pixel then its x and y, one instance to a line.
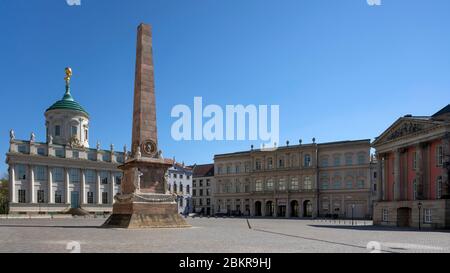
pixel 4 195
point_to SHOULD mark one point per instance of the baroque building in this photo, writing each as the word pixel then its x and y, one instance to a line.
pixel 180 184
pixel 63 172
pixel 203 183
pixel 304 180
pixel 414 162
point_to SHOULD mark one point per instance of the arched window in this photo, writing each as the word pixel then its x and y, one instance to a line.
pixel 307 161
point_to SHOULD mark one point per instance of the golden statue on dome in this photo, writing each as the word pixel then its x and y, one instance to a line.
pixel 68 74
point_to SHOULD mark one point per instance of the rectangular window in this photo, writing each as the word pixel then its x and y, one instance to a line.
pixel 385 215
pixel 324 162
pixel 307 183
pixel 74 131
pixel 208 202
pixel 294 183
pixel 349 184
pixel 118 179
pixel 76 154
pixel 74 175
pixel 325 185
pixel 59 153
pixel 337 184
pixel 90 197
pixel 200 183
pixel 58 197
pixel 427 216
pixel 258 164
pixel 201 192
pixel 375 187
pixel 307 161
pixel 21 172
pixel 22 149
pixel 237 169
pixel 22 196
pixel 282 185
pixel 414 189
pixel 246 188
pixel 440 156
pixel 58 174
pixel 104 177
pixel 208 183
pixel 41 173
pixel 57 130
pixel 207 192
pixel 104 197
pixel 269 185
pixel 194 183
pixel 106 157
pixel 92 156
pixel 228 169
pixel 439 188
pixel 181 176
pixel 415 160
pixel 360 184
pixel 90 176
pixel 337 161
pixel 258 185
pixel 174 175
pixel 348 160
pixel 361 159
pixel 40 196
pixel 200 202
pixel 41 151
pixel 281 163
pixel 194 192
pixel 86 134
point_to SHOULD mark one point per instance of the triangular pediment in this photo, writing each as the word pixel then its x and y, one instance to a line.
pixel 405 126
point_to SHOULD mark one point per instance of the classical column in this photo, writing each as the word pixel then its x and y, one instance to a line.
pixel 99 194
pixel 288 208
pixel 383 178
pixel 31 179
pixel 51 199
pixel 113 181
pixel 397 175
pixel 419 170
pixel 274 207
pixel 83 187
pixel 263 208
pixel 12 183
pixel 66 185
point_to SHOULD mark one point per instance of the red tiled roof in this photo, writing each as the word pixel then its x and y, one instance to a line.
pixel 203 170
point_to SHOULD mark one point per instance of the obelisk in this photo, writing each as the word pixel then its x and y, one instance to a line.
pixel 143 201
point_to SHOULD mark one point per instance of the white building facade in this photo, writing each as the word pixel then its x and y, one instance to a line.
pixel 180 184
pixel 62 172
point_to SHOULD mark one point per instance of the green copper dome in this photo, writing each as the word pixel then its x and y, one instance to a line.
pixel 67 103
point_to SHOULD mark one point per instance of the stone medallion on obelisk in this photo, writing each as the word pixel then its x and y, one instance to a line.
pixel 144 201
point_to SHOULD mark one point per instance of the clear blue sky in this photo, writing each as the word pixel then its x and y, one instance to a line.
pixel 338 69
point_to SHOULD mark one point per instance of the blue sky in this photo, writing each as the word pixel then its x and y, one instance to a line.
pixel 338 69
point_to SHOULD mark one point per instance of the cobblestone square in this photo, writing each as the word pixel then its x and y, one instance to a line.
pixel 212 235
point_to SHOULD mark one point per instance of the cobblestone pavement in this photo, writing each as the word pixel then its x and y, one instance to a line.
pixel 216 235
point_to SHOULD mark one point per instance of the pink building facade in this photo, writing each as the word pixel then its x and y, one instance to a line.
pixel 413 162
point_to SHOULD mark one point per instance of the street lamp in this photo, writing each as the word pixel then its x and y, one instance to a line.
pixel 419 205
pixel 353 209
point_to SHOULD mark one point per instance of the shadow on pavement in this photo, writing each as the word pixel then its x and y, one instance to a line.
pixel 379 228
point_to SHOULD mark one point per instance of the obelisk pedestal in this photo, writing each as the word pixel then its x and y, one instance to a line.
pixel 144 201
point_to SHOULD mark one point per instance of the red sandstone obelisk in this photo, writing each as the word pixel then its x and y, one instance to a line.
pixel 143 201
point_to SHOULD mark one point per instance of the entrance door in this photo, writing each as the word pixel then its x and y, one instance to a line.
pixel 403 217
pixel 74 199
pixel 281 211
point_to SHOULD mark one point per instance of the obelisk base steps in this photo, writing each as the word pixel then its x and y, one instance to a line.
pixel 145 215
